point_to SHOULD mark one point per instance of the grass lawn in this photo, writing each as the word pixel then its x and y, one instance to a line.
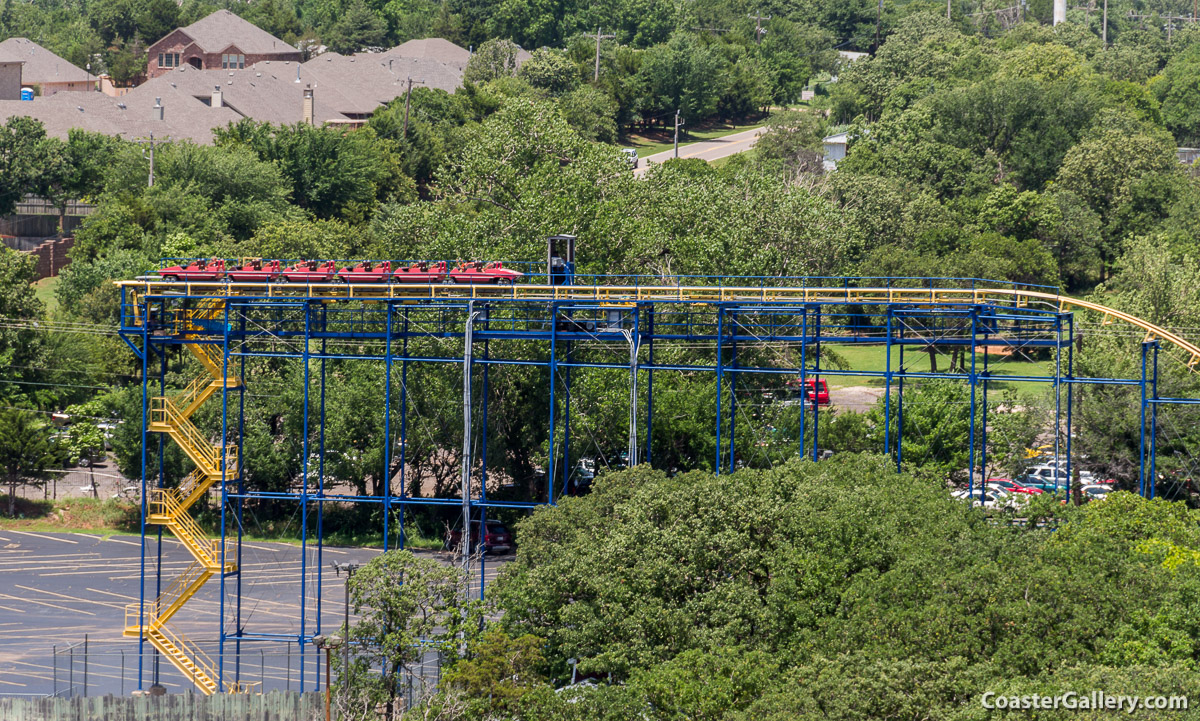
pixel 44 290
pixel 649 143
pixel 97 516
pixel 874 357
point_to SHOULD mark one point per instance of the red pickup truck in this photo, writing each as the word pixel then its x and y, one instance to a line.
pixel 814 388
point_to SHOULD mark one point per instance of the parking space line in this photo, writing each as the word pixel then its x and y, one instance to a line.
pixel 48 538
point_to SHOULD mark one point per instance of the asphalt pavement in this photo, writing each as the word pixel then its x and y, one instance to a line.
pixel 709 150
pixel 57 588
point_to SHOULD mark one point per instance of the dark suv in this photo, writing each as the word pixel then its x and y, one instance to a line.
pixel 496 539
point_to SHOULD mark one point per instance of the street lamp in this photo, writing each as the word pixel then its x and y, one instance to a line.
pixel 349 567
pixel 329 643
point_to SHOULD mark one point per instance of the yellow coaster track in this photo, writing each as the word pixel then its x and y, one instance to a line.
pixel 619 294
pixel 169 507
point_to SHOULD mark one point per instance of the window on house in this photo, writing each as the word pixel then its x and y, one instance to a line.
pixel 168 60
pixel 233 61
pixel 241 62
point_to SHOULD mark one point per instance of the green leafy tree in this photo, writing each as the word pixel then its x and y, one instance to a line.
pixel 358 28
pixel 406 607
pixel 550 70
pixel 492 60
pixel 27 449
pixel 591 113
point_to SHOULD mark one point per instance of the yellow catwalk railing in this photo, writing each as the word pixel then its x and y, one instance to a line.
pixel 618 294
pixel 169 507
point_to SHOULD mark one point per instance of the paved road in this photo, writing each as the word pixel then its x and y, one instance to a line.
pixel 57 587
pixel 709 150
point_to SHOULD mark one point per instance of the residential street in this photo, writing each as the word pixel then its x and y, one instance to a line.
pixel 709 150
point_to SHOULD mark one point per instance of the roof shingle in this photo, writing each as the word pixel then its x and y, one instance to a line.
pixel 222 29
pixel 41 65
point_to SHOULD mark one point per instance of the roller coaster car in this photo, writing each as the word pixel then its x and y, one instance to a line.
pixel 421 272
pixel 309 271
pixel 197 270
pixel 367 272
pixel 479 272
pixel 254 270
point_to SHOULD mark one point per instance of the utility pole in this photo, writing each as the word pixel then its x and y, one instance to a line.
pixel 759 30
pixel 407 101
pixel 677 124
pixel 599 37
pixel 1104 26
pixel 465 544
pixel 150 156
pixel 349 567
pixel 948 9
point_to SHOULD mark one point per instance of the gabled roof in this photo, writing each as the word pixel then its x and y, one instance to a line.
pixel 443 51
pixel 41 65
pixel 222 29
pixel 371 79
pixel 129 116
pixel 267 92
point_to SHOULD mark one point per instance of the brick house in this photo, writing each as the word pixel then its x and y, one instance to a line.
pixel 221 41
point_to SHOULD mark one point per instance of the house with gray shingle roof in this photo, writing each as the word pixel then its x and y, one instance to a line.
pixel 221 41
pixel 45 70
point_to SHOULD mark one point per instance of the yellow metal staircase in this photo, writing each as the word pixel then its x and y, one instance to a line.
pixel 169 506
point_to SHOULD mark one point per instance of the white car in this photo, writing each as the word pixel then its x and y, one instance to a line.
pixel 991 499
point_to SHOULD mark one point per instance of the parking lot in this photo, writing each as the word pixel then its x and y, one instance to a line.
pixel 57 588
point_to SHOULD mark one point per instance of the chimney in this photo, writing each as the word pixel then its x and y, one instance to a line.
pixel 308 105
pixel 1060 11
pixel 158 109
pixel 217 100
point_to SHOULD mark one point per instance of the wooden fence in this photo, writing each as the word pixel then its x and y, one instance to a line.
pixel 273 706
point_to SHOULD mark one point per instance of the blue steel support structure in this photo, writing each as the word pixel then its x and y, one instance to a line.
pixel 736 328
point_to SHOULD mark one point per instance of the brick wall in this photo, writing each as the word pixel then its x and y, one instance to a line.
pixel 10 81
pixel 52 256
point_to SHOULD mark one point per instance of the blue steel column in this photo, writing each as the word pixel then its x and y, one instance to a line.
pixel 387 423
pixel 553 364
pixel 224 492
pixel 733 397
pixel 403 424
pixel 720 377
pixel 145 426
pixel 321 478
pixel 304 505
pixel 1142 431
pixel 1070 387
pixel 240 501
pixel 803 378
pixel 1058 403
pixel 983 428
pixel 1153 484
pixel 971 424
pixel 650 385
pixel 887 387
pixel 816 390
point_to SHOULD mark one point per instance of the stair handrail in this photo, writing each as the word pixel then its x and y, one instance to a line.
pixel 201 662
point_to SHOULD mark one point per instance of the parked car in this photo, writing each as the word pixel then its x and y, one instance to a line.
pixel 496 538
pixel 631 157
pixel 814 388
pixel 1010 486
pixel 991 499
pixel 1095 492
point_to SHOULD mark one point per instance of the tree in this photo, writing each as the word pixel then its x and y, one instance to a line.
pixel 27 449
pixel 550 70
pixel 406 607
pixel 492 60
pixel 20 140
pixel 358 28
pixel 591 113
pixel 679 76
